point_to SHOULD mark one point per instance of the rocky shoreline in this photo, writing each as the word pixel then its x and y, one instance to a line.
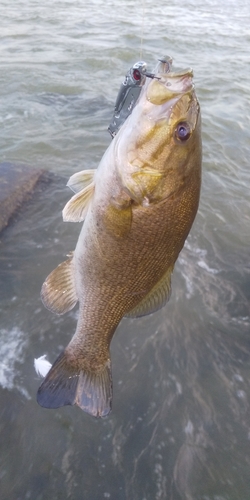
pixel 17 185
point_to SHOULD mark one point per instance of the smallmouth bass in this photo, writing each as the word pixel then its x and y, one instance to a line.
pixel 138 207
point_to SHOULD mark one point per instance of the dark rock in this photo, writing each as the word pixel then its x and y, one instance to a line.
pixel 17 183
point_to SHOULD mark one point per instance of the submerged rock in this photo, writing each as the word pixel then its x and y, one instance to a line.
pixel 17 183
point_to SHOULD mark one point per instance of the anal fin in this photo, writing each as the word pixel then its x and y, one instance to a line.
pixel 58 291
pixel 155 299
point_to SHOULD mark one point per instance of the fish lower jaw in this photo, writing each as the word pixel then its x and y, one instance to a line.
pixel 163 111
pixel 180 87
pixel 171 88
pixel 187 84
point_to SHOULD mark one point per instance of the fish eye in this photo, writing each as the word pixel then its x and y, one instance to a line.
pixel 182 131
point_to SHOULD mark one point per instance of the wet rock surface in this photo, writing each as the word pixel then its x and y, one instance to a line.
pixel 17 184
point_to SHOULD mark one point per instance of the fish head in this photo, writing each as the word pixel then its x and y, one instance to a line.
pixel 160 144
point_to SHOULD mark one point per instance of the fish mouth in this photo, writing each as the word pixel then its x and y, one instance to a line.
pixel 182 73
pixel 178 81
pixel 168 84
pixel 164 66
pixel 165 74
pixel 163 71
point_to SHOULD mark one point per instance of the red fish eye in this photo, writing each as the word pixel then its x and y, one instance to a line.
pixel 183 131
pixel 136 75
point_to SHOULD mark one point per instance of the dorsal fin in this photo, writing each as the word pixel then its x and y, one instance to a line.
pixel 155 299
pixel 58 291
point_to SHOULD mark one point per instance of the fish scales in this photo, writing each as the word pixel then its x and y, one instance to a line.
pixel 138 208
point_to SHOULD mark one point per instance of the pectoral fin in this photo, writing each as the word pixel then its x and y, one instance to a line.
pixel 155 299
pixel 81 180
pixel 76 208
pixel 118 220
pixel 142 184
pixel 58 291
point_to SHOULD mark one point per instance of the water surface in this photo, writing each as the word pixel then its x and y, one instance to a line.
pixel 180 426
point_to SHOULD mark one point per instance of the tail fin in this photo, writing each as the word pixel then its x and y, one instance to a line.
pixel 67 385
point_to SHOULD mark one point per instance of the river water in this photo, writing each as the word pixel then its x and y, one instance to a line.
pixel 180 425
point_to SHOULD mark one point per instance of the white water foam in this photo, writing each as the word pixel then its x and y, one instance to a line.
pixel 12 347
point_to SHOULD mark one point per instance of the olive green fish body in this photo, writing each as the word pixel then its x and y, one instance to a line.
pixel 138 208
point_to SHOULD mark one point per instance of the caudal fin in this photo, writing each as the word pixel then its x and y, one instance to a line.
pixel 66 385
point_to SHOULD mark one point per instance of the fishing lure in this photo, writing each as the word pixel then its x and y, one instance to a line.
pixel 129 92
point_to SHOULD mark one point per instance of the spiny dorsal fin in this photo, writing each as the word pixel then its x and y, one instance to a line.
pixel 58 291
pixel 80 180
pixel 155 299
pixel 76 208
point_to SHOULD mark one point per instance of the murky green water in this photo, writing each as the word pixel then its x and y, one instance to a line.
pixel 180 426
